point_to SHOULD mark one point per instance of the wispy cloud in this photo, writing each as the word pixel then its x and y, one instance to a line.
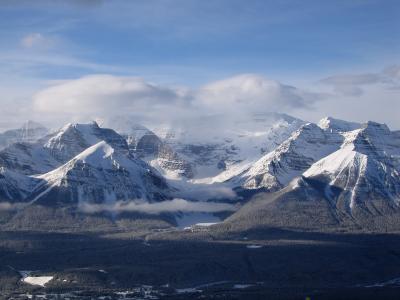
pixel 355 84
pixel 31 39
pixel 171 206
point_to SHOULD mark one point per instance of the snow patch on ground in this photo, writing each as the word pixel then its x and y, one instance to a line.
pixel 37 280
pixel 188 290
pixel 199 289
pixel 206 224
pixel 190 219
pixel 254 246
pixel 242 286
pixel 393 282
pixel 34 280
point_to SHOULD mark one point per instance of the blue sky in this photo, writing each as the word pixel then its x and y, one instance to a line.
pixel 194 42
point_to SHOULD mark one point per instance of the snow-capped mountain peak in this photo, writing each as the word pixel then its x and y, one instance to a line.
pixel 276 169
pixel 365 169
pixel 57 148
pixel 74 138
pixel 329 123
pixel 97 154
pixel 99 174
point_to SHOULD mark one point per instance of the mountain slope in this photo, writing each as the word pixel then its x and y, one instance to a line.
pixel 356 187
pixel 29 132
pixel 366 167
pixel 55 149
pixel 15 187
pixel 218 154
pixel 332 124
pixel 72 139
pixel 148 146
pixel 100 174
pixel 290 159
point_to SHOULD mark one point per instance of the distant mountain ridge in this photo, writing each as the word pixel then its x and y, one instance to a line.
pixel 62 163
pixel 29 132
pixel 357 187
pixel 333 174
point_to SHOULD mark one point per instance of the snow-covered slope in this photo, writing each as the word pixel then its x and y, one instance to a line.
pixel 332 124
pixel 101 174
pixel 366 167
pixel 74 138
pixel 356 187
pixel 218 156
pixel 15 187
pixel 27 158
pixel 290 159
pixel 29 132
pixel 146 145
pixel 57 148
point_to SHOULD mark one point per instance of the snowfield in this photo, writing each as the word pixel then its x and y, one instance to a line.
pixel 34 280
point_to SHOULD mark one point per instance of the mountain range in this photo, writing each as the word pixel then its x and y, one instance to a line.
pixel 280 171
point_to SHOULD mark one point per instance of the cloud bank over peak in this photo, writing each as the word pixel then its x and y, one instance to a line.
pixel 102 94
pixel 107 96
pixel 356 84
pixel 252 92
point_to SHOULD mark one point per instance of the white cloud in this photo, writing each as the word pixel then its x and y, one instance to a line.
pixel 221 102
pixel 103 94
pixel 106 96
pixel 215 107
pixel 392 71
pixel 356 84
pixel 175 205
pixel 252 93
pixel 36 39
pixel 203 192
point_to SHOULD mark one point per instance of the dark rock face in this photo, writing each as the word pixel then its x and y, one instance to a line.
pixel 150 147
pixel 148 144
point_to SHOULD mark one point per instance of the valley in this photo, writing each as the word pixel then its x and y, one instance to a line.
pixel 202 265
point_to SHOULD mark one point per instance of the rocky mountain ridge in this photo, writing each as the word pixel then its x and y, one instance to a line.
pixel 334 173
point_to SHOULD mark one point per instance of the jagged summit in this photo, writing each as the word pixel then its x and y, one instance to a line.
pixel 101 174
pixel 374 139
pixel 57 148
pixel 355 186
pixel 333 173
pixel 365 168
pixel 329 123
pixel 74 138
pixel 295 155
